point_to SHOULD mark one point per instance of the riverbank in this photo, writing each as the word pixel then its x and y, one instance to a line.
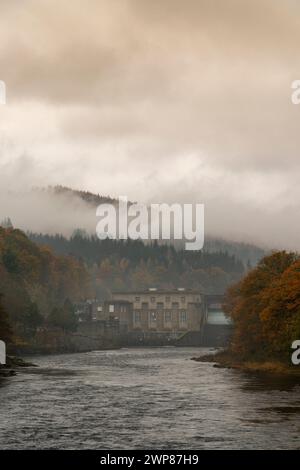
pixel 89 336
pixel 225 359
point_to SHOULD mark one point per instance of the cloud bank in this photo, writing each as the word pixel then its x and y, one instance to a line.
pixel 170 100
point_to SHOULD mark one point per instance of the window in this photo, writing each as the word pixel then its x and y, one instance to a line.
pixel 160 305
pixel 175 305
pixel 137 299
pixel 152 318
pixel 99 309
pixel 168 317
pixel 182 317
pixel 123 309
pixel 111 308
pixel 137 317
pixel 145 305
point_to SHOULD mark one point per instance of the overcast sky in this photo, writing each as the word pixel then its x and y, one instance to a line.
pixel 159 100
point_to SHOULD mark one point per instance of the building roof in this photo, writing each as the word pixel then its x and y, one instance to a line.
pixel 179 290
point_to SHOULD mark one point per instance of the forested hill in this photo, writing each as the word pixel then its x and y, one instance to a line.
pixel 249 253
pixel 132 264
pixel 34 281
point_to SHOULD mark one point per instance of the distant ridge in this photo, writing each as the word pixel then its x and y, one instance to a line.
pixel 90 198
pixel 248 253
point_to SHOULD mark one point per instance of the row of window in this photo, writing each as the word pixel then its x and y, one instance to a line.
pixel 167 317
pixel 167 299
pixel 145 306
pixel 111 308
pixel 159 305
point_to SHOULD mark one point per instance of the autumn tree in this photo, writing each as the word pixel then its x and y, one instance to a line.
pixel 265 307
pixel 35 281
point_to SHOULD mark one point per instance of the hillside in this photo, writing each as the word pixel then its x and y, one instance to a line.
pixel 34 281
pixel 248 253
pixel 62 210
pixel 92 199
pixel 133 265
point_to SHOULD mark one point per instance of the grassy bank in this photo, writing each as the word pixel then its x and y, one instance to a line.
pixel 225 359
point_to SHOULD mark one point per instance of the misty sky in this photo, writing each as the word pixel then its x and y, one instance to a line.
pixel 169 100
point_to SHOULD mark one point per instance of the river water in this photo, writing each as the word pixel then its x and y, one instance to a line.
pixel 145 398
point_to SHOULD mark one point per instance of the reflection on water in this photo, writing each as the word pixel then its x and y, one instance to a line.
pixel 146 398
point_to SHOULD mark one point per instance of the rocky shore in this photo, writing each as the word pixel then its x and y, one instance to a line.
pixel 12 364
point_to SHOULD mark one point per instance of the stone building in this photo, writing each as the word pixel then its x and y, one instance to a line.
pixel 173 312
pixel 183 317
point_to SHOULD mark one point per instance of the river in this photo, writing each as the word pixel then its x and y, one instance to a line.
pixel 145 398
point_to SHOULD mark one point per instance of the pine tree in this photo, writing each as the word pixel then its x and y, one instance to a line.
pixel 6 223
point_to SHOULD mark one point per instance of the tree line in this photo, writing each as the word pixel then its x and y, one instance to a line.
pixel 132 264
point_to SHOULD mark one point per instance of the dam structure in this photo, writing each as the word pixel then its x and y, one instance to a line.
pixel 159 317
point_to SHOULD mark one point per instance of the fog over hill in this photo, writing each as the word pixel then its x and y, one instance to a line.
pixel 62 210
pixel 171 101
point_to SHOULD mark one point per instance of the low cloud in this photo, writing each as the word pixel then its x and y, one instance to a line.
pixel 165 101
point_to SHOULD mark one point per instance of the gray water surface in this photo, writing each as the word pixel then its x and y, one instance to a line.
pixel 146 398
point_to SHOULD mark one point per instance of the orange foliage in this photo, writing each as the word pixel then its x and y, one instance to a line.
pixel 29 272
pixel 265 307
